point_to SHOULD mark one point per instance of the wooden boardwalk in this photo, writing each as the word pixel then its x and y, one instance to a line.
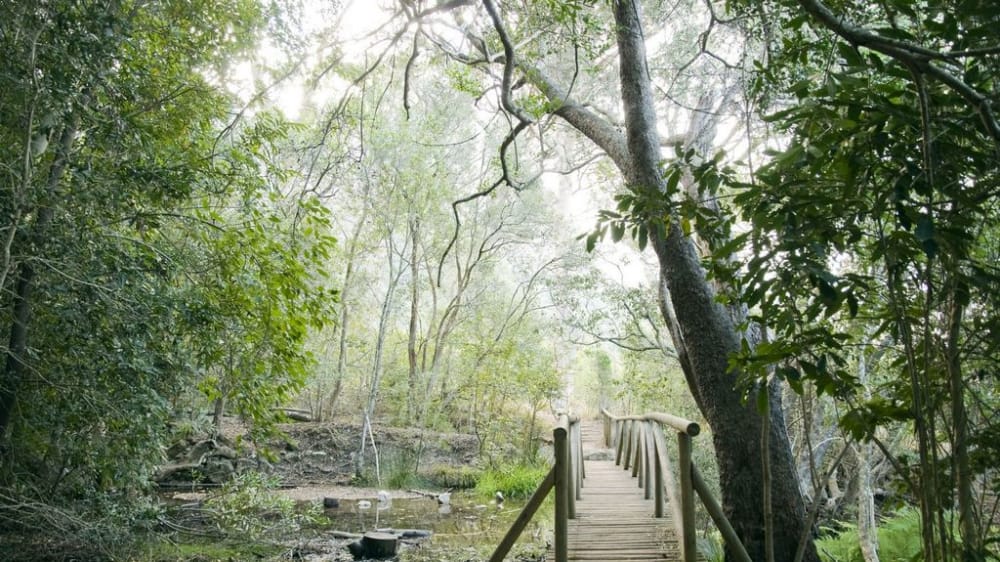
pixel 613 520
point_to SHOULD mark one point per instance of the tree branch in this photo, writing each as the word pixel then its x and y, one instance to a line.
pixel 915 56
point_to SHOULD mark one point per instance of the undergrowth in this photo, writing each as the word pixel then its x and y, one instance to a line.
pixel 898 540
pixel 513 481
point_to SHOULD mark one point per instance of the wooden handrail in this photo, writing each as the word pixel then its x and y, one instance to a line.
pixel 641 446
pixel 679 424
pixel 566 477
pixel 527 512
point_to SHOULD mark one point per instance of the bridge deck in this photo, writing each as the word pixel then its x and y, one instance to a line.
pixel 613 522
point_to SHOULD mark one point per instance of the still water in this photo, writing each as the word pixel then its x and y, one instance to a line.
pixel 465 521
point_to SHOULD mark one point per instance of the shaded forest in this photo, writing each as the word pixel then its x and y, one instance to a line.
pixel 777 217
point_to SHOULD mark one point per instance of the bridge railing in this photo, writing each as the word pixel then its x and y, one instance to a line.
pixel 641 445
pixel 566 478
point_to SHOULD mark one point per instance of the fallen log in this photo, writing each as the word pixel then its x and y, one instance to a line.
pixel 408 533
pixel 296 414
pixel 344 535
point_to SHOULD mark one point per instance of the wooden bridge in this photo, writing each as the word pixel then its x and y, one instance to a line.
pixel 612 505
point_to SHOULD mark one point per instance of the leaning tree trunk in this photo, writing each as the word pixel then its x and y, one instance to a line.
pixel 709 334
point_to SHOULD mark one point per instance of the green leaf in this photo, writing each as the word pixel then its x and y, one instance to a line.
pixel 617 231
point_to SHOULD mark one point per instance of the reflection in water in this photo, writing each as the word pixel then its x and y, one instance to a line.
pixel 461 522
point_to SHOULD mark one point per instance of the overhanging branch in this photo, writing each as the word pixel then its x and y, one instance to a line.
pixel 914 56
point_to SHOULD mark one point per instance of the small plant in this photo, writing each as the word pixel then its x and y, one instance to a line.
pixel 249 506
pixel 711 548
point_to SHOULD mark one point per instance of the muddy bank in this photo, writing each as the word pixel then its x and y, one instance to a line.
pixel 314 460
pixel 323 453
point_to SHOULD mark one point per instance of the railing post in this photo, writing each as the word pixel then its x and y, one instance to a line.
pixel 688 543
pixel 579 454
pixel 627 433
pixel 637 459
pixel 648 450
pixel 571 470
pixel 660 482
pixel 561 485
pixel 619 441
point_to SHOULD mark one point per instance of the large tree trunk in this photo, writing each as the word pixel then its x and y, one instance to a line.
pixel 709 334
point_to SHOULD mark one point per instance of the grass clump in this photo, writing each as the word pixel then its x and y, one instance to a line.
pixel 514 481
pixel 207 550
pixel 453 477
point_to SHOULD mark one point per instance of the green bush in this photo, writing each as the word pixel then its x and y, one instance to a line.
pixel 898 540
pixel 248 506
pixel 514 481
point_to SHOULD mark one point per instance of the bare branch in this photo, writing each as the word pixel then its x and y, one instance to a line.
pixel 408 72
pixel 508 65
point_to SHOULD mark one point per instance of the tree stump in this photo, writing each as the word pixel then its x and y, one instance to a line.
pixel 379 545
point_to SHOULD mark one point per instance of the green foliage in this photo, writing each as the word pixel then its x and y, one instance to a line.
pixel 514 480
pixel 898 540
pixel 248 506
pixel 873 229
pixel 643 212
pixel 711 547
pixel 129 117
pixel 114 158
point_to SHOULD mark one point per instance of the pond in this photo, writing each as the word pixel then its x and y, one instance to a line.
pixel 466 521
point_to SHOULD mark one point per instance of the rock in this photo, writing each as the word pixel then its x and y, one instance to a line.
pixel 217 470
pixel 331 503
